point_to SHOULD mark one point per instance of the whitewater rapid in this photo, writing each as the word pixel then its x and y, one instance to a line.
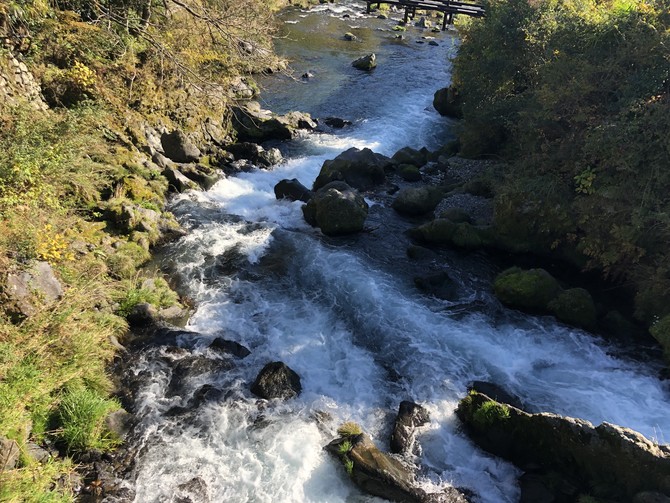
pixel 355 331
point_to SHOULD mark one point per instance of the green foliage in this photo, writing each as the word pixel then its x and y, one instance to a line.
pixel 348 466
pixel 124 263
pixel 489 413
pixel 576 93
pixel 344 448
pixel 81 414
pixel 155 291
pixel 349 429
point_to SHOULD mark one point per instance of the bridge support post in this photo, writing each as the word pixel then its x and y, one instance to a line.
pixel 367 7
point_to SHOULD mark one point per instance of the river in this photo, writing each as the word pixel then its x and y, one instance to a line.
pixel 344 314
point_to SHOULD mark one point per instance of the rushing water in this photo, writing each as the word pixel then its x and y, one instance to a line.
pixel 343 312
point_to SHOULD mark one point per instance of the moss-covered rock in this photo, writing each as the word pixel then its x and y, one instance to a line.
pixel 447 102
pixel 531 290
pixel 361 169
pixel 606 461
pixel 661 332
pixel 575 306
pixel 414 201
pixel 409 173
pixel 436 232
pixel 456 215
pixel 336 209
pixel 408 155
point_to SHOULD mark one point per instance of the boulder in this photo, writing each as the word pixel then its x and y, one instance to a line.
pixel 361 169
pixel 255 153
pixel 119 423
pixel 292 190
pixel 530 290
pixel 204 176
pixel 496 393
pixel 276 380
pixel 178 181
pixel 415 201
pixel 9 454
pixel 423 23
pixel 350 37
pixel 456 215
pixel 409 173
pixel 575 307
pixel 365 63
pixel 448 102
pixel 661 332
pixel 35 453
pixel 606 461
pixel 336 122
pixel 410 416
pixel 408 155
pixel 178 148
pixel 382 475
pixel 336 209
pixel 30 290
pixel 257 125
pixel 225 346
pixel 193 490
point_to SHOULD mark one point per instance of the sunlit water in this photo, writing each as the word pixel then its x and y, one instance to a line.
pixel 352 327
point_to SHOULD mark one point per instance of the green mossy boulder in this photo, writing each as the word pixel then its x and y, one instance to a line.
pixel 435 232
pixel 661 332
pixel 336 209
pixel 415 201
pixel 360 169
pixel 408 155
pixel 575 307
pixel 606 461
pixel 365 63
pixel 409 173
pixel 530 290
pixel 456 215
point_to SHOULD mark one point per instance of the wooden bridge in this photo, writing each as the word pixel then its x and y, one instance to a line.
pixel 448 8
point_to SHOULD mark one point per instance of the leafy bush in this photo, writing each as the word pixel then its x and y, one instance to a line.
pixel 490 412
pixel 576 94
pixel 349 429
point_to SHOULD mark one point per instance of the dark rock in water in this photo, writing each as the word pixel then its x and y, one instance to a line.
pixel 575 307
pixel 410 416
pixel 190 367
pixel 616 326
pixel 382 475
pixel 365 63
pixel 532 289
pixel 439 285
pixel 442 231
pixel 178 181
pixel 336 209
pixel 606 461
pixel 254 153
pixel 409 173
pixel 415 201
pixel 32 289
pixel 336 122
pixel 423 23
pixel 255 124
pixel 408 155
pixel 361 169
pixel 292 190
pixel 178 148
pixel 448 102
pixel 203 175
pixel 229 347
pixel 276 380
pixel 307 75
pixel 416 252
pixel 9 453
pixel 496 392
pixel 350 37
pixel 193 491
pixel 119 423
pixel 433 43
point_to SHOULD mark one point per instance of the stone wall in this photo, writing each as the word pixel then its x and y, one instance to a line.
pixel 17 84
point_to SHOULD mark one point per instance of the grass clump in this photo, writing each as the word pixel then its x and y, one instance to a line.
pixel 490 412
pixel 81 414
pixel 349 429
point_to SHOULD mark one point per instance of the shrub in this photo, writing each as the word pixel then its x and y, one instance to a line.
pixel 349 429
pixel 489 413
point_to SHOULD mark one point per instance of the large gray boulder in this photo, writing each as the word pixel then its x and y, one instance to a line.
pixel 178 148
pixel 415 201
pixel 361 169
pixel 365 63
pixel 408 155
pixel 292 190
pixel 337 209
pixel 606 461
pixel 31 290
pixel 276 380
pixel 255 153
pixel 257 125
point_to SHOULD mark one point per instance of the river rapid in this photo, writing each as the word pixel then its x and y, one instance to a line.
pixel 344 313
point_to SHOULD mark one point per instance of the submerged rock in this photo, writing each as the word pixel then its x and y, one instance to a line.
pixel 336 209
pixel 410 416
pixel 606 461
pixel 361 169
pixel 365 63
pixel 276 380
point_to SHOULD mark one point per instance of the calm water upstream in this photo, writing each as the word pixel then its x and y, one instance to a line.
pixel 344 313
